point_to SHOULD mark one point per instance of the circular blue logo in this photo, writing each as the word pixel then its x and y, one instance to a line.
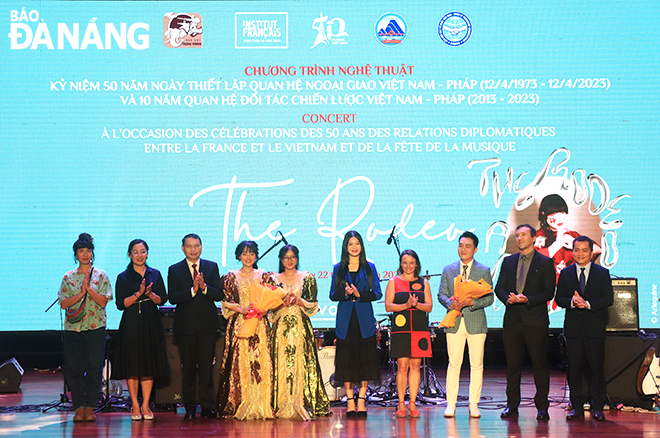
pixel 455 29
pixel 391 29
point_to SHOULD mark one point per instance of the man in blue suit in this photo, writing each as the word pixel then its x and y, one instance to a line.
pixel 584 289
pixel 469 327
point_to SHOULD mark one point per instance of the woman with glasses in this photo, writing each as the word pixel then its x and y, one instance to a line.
pixel 140 353
pixel 298 384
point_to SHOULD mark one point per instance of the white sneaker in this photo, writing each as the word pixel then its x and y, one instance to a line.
pixel 474 411
pixel 450 411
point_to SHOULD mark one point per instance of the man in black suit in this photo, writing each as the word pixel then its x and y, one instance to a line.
pixel 194 286
pixel 525 285
pixel 585 290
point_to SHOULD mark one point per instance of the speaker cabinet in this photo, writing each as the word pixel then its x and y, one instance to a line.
pixel 623 357
pixel 171 394
pixel 11 375
pixel 624 313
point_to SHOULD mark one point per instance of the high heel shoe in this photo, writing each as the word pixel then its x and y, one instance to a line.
pixel 351 414
pixel 401 413
pixel 148 414
pixel 362 414
pixel 136 417
pixel 414 413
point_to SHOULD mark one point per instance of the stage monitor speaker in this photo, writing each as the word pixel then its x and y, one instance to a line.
pixel 624 313
pixel 11 375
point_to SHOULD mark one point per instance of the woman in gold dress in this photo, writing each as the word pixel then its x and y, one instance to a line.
pixel 246 376
pixel 298 384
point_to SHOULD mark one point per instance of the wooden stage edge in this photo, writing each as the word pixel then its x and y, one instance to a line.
pixel 21 415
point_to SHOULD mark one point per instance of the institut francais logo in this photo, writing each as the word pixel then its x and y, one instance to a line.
pixel 182 30
pixel 261 30
pixel 455 29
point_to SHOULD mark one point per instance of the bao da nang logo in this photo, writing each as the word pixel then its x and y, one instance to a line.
pixel 455 28
pixel 391 29
pixel 182 30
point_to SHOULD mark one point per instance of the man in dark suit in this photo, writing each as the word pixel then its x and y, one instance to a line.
pixel 194 286
pixel 525 285
pixel 584 289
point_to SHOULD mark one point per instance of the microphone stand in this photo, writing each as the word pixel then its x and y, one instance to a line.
pixel 277 242
pixel 64 397
pixel 394 239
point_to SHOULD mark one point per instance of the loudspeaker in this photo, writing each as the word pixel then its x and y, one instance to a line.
pixel 623 357
pixel 624 313
pixel 171 394
pixel 11 375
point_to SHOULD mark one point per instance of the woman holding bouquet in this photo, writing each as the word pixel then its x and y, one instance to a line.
pixel 246 375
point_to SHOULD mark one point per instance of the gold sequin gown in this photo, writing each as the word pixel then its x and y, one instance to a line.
pixel 298 391
pixel 246 375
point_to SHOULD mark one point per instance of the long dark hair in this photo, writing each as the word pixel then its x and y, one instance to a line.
pixel 251 246
pixel 84 241
pixel 342 272
pixel 413 254
pixel 282 254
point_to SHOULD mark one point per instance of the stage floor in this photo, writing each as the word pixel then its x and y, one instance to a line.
pixel 40 388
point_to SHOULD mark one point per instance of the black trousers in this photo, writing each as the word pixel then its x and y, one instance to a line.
pixel 586 356
pixel 197 353
pixel 83 366
pixel 516 337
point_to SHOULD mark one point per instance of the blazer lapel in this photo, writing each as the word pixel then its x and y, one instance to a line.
pixel 475 272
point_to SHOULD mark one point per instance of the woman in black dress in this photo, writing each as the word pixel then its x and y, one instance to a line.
pixel 141 355
pixel 355 285
pixel 409 296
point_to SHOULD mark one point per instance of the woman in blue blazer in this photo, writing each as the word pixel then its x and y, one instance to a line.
pixel 355 285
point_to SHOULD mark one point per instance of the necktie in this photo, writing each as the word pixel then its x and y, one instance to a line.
pixel 583 280
pixel 465 272
pixel 521 277
pixel 194 265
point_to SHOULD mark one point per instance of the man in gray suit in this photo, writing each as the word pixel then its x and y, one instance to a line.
pixel 470 326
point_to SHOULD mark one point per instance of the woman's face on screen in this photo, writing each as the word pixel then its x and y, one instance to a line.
pixel 556 220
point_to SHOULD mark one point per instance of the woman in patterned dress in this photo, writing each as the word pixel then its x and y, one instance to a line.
pixel 246 376
pixel 409 296
pixel 298 384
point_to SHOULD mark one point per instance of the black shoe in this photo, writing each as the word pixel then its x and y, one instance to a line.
pixel 576 415
pixel 361 414
pixel 209 413
pixel 189 416
pixel 509 413
pixel 598 415
pixel 542 415
pixel 351 414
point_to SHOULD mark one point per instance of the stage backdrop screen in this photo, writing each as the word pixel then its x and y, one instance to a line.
pixel 239 120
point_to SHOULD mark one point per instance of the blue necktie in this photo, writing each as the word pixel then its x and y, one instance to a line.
pixel 583 280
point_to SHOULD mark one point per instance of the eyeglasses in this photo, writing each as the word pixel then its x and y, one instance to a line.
pixel 290 259
pixel 136 252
